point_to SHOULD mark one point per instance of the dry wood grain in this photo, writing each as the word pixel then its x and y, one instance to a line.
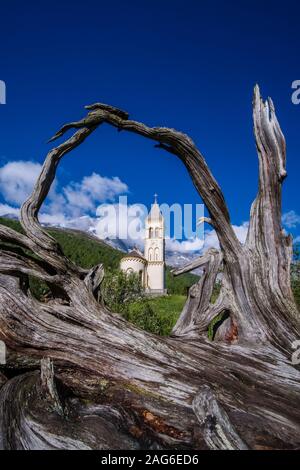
pixel 244 379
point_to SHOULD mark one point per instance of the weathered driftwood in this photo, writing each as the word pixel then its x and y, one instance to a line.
pixel 3 379
pixel 31 418
pixel 239 391
pixel 217 429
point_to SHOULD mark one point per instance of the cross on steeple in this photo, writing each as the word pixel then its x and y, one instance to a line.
pixel 155 198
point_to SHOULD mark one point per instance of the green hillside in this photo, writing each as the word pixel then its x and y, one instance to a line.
pixel 157 315
pixel 87 251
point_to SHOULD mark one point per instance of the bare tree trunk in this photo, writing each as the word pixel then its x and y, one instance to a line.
pixel 239 391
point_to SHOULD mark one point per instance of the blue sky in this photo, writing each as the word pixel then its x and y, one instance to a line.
pixel 188 64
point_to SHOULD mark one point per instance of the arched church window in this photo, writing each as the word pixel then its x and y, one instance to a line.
pixel 156 254
pixel 157 233
pixel 150 254
pixel 150 232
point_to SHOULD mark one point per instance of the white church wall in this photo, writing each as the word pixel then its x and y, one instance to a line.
pixel 134 265
pixel 156 276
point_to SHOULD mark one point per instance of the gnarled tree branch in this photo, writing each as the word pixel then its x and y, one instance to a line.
pixel 155 380
pixel 196 315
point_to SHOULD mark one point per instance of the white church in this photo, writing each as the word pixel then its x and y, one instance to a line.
pixel 150 267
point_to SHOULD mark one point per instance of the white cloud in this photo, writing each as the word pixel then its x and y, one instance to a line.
pixel 92 190
pixel 184 246
pixel 84 223
pixel 291 219
pixel 17 180
pixel 241 231
pixel 211 238
pixel 58 218
pixel 66 206
pixel 5 209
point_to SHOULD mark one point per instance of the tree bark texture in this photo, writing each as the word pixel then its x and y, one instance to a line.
pixel 92 380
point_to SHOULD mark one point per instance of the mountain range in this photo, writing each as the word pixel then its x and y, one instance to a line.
pixel 173 258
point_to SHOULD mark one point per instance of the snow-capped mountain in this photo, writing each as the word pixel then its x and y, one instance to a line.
pixel 88 224
pixel 176 259
pixel 10 216
pixel 173 258
pixel 122 245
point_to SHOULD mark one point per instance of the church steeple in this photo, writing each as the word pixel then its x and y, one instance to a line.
pixel 151 267
pixel 155 248
pixel 154 214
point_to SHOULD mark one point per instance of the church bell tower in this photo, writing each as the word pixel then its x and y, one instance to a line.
pixel 155 250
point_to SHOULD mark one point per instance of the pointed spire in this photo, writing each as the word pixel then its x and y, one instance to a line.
pixel 155 213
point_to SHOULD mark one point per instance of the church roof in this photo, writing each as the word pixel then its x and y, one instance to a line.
pixel 134 254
